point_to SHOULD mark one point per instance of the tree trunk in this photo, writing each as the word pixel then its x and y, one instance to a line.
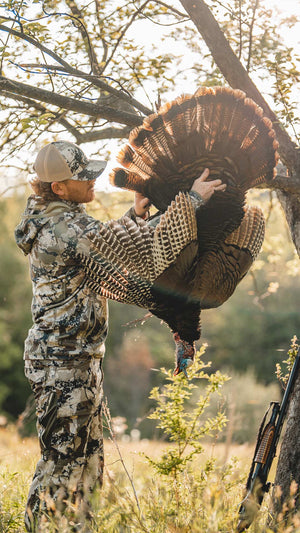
pixel 288 468
pixel 233 71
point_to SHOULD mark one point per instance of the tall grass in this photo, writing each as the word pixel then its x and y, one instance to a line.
pixel 209 496
pixel 205 500
pixel 181 485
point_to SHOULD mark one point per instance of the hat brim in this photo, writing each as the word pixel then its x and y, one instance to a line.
pixel 93 170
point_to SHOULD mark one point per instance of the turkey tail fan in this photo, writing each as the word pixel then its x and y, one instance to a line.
pixel 129 180
pixel 219 128
pixel 123 261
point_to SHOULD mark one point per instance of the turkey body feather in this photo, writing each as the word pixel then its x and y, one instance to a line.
pixel 210 249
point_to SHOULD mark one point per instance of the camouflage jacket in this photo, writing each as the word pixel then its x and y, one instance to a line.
pixel 69 320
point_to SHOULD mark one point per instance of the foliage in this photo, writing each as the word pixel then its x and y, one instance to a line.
pixel 205 497
pixel 206 502
pixel 95 69
pixel 179 485
pixel 285 72
pixel 15 319
pixel 244 401
pixel 183 427
pixel 101 68
pixel 292 353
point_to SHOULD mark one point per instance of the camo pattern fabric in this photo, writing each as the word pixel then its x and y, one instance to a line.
pixel 69 320
pixel 63 360
pixel 68 404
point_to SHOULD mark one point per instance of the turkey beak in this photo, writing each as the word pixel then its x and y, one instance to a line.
pixel 178 370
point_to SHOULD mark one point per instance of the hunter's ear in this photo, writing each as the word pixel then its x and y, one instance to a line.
pixel 58 187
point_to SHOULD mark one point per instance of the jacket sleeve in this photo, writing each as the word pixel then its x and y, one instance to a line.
pixel 197 202
pixel 131 214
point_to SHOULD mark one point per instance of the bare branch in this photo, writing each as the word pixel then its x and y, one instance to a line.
pixel 79 73
pixel 106 133
pixel 69 104
pixel 95 68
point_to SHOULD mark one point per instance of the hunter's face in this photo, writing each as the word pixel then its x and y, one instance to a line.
pixel 77 191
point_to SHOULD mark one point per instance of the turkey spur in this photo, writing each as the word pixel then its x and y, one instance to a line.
pixel 179 267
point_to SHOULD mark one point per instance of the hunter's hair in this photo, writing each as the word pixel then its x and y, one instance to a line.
pixel 44 190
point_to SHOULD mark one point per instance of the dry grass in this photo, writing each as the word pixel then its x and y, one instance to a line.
pixel 211 506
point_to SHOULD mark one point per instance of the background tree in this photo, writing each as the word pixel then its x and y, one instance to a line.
pixel 81 70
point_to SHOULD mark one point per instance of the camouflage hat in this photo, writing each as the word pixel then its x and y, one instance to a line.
pixel 62 160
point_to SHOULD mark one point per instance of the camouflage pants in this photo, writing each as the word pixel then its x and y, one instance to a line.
pixel 68 398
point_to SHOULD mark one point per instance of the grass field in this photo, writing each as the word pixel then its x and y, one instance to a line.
pixel 136 499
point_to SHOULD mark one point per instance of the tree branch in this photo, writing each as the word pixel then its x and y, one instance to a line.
pixel 104 43
pixel 79 73
pixel 96 70
pixel 282 183
pixel 127 26
pixel 106 133
pixel 170 8
pixel 251 35
pixel 67 103
pixel 42 109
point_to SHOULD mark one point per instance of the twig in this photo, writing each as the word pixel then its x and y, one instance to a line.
pixel 251 35
pixel 106 413
pixel 138 320
pixel 77 72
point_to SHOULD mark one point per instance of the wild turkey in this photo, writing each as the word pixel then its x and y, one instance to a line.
pixel 216 128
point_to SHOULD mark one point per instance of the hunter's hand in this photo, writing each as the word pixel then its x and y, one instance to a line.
pixel 141 205
pixel 207 188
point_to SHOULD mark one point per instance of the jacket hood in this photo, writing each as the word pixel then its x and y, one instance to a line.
pixel 35 216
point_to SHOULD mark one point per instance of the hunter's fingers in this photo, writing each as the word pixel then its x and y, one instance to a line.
pixel 204 175
pixel 221 187
pixel 215 183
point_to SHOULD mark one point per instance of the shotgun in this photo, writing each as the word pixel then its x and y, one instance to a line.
pixel 265 451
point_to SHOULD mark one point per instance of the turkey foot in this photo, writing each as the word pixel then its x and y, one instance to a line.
pixel 184 355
